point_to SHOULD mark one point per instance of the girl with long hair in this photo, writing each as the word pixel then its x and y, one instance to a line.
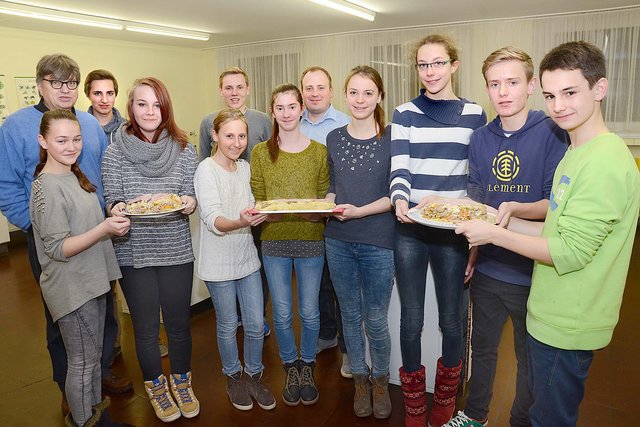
pixel 290 165
pixel 151 155
pixel 429 156
pixel 359 241
pixel 74 248
pixel 228 261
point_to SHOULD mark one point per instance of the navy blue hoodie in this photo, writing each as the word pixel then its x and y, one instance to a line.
pixel 520 168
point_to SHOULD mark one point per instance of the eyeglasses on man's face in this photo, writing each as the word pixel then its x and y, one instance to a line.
pixel 422 66
pixel 57 84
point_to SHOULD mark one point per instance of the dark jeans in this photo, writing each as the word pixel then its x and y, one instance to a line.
pixel 147 290
pixel 415 247
pixel 556 378
pixel 494 301
pixel 330 319
pixel 55 345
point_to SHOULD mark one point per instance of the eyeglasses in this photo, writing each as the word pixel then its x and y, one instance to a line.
pixel 57 84
pixel 435 65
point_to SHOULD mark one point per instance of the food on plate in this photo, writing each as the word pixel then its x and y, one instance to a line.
pixel 444 212
pixel 295 205
pixel 153 204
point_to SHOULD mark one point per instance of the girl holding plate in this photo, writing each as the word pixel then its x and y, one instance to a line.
pixel 228 260
pixel 151 155
pixel 359 241
pixel 429 156
pixel 290 165
pixel 74 248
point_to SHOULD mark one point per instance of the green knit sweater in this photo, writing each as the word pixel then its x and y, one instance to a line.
pixel 590 226
pixel 303 175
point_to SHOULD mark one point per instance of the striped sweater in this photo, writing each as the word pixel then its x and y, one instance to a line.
pixel 151 242
pixel 430 147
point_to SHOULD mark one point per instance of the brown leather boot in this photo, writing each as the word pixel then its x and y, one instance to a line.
pixel 381 399
pixel 362 395
pixel 444 394
pixel 415 399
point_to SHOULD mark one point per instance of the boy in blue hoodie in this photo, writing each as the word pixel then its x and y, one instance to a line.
pixel 511 165
pixel 583 250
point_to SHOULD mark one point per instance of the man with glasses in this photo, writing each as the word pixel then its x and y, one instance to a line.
pixel 57 78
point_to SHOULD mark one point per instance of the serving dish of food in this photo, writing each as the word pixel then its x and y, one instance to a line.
pixel 448 215
pixel 153 205
pixel 282 206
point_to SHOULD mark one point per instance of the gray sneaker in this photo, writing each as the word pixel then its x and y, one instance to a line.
pixel 326 344
pixel 238 395
pixel 308 390
pixel 291 391
pixel 257 390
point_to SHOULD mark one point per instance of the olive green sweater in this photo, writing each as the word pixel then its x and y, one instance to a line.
pixel 303 175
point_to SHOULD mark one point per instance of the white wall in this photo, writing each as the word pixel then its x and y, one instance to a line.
pixel 181 69
pixel 186 72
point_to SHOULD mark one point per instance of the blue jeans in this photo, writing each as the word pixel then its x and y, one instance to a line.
pixel 308 275
pixel 363 277
pixel 556 378
pixel 248 291
pixel 493 302
pixel 330 322
pixel 82 332
pixel 416 246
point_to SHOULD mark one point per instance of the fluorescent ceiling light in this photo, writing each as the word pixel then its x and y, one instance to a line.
pixel 347 7
pixel 27 11
pixel 166 31
pixel 58 16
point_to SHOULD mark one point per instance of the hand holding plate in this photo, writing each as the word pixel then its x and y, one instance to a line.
pixel 190 203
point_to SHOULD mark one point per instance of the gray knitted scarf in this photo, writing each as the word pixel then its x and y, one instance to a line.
pixel 152 160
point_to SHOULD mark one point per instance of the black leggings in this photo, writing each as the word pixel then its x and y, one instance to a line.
pixel 147 290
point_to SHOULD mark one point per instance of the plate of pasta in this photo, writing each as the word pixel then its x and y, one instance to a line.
pixel 153 205
pixel 448 215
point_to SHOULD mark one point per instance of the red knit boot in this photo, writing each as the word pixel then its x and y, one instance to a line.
pixel 415 398
pixel 444 394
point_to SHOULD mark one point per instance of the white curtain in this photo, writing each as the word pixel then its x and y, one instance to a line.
pixel 616 32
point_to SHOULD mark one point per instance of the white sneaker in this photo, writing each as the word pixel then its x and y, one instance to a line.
pixel 461 420
pixel 345 369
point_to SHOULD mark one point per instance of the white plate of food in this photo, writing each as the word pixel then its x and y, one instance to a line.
pixel 295 206
pixel 448 216
pixel 153 205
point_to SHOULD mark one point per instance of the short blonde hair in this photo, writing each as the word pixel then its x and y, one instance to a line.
pixel 233 70
pixel 508 53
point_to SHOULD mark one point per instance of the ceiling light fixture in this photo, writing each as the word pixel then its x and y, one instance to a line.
pixel 167 31
pixel 28 11
pixel 348 7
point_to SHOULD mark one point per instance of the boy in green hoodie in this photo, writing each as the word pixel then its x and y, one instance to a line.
pixel 582 251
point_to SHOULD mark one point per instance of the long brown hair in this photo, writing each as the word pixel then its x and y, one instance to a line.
pixel 45 125
pixel 166 110
pixel 372 74
pixel 225 116
pixel 272 143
